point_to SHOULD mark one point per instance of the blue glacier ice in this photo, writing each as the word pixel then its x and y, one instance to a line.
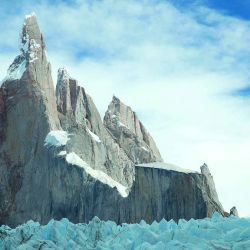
pixel 210 233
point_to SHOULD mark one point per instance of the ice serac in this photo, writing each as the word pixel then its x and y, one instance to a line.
pixel 216 233
pixel 27 113
pixel 124 125
pixel 90 139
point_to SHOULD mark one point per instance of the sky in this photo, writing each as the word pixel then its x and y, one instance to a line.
pixel 183 66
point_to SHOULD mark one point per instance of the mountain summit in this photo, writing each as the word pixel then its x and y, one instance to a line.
pixel 124 125
pixel 59 159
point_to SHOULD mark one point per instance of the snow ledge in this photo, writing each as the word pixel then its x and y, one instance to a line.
pixel 166 166
pixel 74 159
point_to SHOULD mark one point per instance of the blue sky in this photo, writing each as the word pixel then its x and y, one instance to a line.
pixel 182 65
pixel 231 7
pixel 235 8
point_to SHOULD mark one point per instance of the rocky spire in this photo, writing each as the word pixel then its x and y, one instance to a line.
pixel 32 49
pixel 130 133
pixel 63 91
pixel 28 94
pixel 32 45
pixel 79 115
pixel 210 190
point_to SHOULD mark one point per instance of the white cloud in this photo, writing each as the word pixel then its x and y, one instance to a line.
pixel 176 68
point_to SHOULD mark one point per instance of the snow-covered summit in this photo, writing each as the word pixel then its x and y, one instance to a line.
pixel 167 166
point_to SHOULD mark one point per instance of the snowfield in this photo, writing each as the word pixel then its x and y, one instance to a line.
pixel 215 233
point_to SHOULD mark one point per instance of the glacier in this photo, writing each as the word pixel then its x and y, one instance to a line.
pixel 210 233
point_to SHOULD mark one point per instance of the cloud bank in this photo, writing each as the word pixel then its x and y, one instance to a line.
pixel 181 69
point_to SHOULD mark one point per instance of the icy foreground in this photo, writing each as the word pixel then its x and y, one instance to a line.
pixel 215 233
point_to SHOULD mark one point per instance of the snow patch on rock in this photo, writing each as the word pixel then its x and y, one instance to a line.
pixel 15 71
pixel 74 159
pixel 94 136
pixel 145 149
pixel 56 138
pixel 62 153
pixel 167 166
pixel 34 48
pixel 122 124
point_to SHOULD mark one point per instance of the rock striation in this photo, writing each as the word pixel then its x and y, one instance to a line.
pixel 59 159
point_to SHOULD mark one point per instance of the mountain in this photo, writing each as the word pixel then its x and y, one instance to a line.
pixel 59 159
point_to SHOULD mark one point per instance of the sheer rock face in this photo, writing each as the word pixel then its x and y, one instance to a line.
pixel 2 115
pixel 28 91
pixel 89 138
pixel 156 193
pixel 38 182
pixel 28 112
pixel 209 192
pixel 161 193
pixel 130 134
